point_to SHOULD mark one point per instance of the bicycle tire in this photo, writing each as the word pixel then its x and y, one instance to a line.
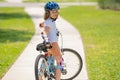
pixel 79 59
pixel 36 65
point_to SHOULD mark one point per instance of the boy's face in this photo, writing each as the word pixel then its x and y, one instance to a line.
pixel 54 13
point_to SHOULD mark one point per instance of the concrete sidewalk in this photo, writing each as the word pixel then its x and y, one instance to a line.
pixel 14 1
pixel 17 3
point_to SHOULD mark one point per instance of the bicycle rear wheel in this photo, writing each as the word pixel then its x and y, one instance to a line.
pixel 73 62
pixel 38 62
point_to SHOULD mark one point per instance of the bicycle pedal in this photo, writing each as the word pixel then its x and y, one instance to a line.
pixel 49 79
pixel 45 74
pixel 51 75
pixel 64 72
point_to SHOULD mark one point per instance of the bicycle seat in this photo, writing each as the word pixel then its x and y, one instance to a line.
pixel 43 47
pixel 40 47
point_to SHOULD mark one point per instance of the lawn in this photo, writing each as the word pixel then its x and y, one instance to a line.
pixel 100 32
pixel 16 30
pixel 1 0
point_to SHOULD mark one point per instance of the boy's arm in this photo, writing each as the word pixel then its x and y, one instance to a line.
pixel 44 32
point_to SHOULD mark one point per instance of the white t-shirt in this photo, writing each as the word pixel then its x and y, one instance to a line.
pixel 52 35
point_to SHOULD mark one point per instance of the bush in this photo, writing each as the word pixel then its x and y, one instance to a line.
pixel 109 4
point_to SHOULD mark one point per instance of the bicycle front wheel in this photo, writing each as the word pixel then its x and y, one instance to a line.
pixel 38 62
pixel 73 62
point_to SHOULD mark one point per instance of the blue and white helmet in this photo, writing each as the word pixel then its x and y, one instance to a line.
pixel 51 5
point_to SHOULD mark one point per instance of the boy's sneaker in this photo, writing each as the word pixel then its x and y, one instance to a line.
pixel 64 71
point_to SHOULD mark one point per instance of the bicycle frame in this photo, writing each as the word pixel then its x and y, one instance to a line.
pixel 48 70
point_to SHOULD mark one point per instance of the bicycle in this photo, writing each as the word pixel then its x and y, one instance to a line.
pixel 47 64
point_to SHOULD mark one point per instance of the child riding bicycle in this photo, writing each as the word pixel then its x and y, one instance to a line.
pixel 50 35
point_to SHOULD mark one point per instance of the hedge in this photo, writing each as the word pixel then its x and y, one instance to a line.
pixel 109 4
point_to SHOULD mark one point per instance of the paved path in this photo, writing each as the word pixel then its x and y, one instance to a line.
pixel 19 4
pixel 14 1
pixel 23 68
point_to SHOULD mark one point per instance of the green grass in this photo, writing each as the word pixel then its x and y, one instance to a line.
pixel 2 0
pixel 88 0
pixel 16 29
pixel 100 32
pixel 60 0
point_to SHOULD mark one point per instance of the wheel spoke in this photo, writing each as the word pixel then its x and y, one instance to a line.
pixel 73 64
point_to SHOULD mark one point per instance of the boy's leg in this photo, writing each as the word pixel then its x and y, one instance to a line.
pixel 57 54
pixel 40 77
pixel 58 74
